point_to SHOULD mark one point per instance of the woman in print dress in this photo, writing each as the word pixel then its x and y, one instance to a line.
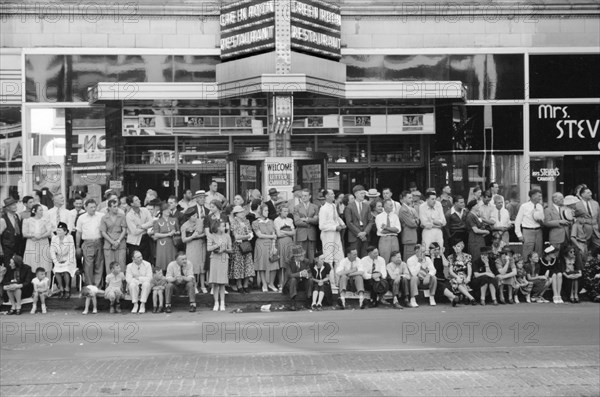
pixel 37 230
pixel 164 229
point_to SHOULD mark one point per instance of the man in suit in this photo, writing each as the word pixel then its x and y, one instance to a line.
pixel 296 198
pixel 359 221
pixel 174 212
pixel 587 212
pixel 272 203
pixel 306 218
pixel 199 200
pixel 409 219
pixel 456 228
pixel 297 270
pixel 11 237
pixel 555 221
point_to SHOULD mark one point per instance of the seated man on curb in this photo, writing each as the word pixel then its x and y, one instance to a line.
pixel 374 275
pixel 348 272
pixel 422 274
pixel 180 275
pixel 297 270
pixel 138 276
pixel 398 278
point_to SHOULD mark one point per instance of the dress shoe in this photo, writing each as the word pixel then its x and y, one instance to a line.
pixel 135 308
pixel 118 308
pixel 168 309
pixel 454 301
pixel 155 309
pixel 319 307
pixel 192 308
pixel 142 308
pixel 398 305
pixel 384 302
pixel 313 307
pixel 495 302
pixel 112 309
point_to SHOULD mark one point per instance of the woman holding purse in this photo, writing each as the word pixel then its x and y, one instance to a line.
pixel 242 265
pixel 265 232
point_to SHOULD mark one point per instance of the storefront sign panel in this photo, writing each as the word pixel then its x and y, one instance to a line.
pixel 247 27
pixel 565 128
pixel 92 148
pixel 311 173
pixel 279 174
pixel 247 173
pixel 316 28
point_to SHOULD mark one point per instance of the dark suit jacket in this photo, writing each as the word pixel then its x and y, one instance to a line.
pixel 410 224
pixel 353 218
pixel 591 222
pixel 294 270
pixel 306 230
pixel 272 210
pixel 557 234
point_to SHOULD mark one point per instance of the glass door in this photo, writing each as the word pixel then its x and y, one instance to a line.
pixel 249 178
pixel 310 174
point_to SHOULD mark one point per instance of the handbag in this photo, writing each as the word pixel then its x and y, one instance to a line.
pixel 274 254
pixel 245 247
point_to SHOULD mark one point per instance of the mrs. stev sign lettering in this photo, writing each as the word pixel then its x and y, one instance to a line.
pixel 565 128
pixel 248 28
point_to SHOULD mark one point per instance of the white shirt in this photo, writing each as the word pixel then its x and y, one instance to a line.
pixel 63 213
pixel 89 226
pixel 414 266
pixel 428 215
pixel 140 273
pixel 346 265
pixel 42 285
pixel 329 218
pixel 503 220
pixel 210 196
pixel 394 270
pixel 366 266
pixel 72 218
pixel 133 219
pixel 454 211
pixel 529 216
pixel 381 221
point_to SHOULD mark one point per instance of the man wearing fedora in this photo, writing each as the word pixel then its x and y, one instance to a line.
pixel 359 221
pixel 272 203
pixel 297 270
pixel 296 198
pixel 11 228
pixel 306 218
pixel 556 222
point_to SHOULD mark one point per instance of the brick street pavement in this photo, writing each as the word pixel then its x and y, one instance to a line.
pixel 533 371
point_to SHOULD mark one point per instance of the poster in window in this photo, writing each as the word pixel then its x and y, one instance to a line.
pixel 412 122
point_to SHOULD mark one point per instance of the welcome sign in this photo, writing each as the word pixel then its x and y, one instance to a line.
pixel 279 173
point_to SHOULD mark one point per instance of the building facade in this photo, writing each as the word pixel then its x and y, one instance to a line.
pixel 171 97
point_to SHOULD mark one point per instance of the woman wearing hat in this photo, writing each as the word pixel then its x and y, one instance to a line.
pixel 476 230
pixel 194 238
pixel 17 283
pixel 553 270
pixel 37 230
pixel 62 252
pixel 241 266
pixel 264 229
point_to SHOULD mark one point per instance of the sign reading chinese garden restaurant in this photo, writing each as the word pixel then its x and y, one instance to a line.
pixel 247 27
pixel 316 28
pixel 311 26
pixel 565 128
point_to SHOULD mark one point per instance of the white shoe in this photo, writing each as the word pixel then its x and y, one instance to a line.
pixel 265 289
pixel 43 309
pixel 142 308
pixel 216 307
pixel 560 300
pixel 204 290
pixel 135 308
pixel 222 308
pixel 432 301
pixel 413 303
pixel 555 300
pixel 84 312
pixel 273 288
pixel 33 309
pixel 226 292
pixel 94 311
pixel 517 299
pixel 528 299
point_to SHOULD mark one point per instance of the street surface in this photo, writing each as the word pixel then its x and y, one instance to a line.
pixel 536 349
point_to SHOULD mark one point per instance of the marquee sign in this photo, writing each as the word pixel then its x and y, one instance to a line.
pixel 316 28
pixel 249 27
pixel 565 128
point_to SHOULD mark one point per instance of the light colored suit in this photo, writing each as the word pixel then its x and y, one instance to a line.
pixel 306 232
pixel 589 221
pixel 558 233
pixel 329 220
pixel 409 219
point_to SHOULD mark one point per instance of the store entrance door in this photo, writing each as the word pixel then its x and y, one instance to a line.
pixel 399 180
pixel 249 177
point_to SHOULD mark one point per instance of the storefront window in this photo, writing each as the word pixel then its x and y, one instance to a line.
pixel 564 76
pixel 11 152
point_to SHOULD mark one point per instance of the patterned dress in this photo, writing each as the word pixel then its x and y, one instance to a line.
pixel 195 249
pixel 241 265
pixel 165 248
pixel 460 266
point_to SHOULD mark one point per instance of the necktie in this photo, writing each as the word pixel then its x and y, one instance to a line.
pixel 560 214
pixel 388 221
pixel 373 268
pixel 589 208
pixel 499 216
pixel 359 207
pixel 16 225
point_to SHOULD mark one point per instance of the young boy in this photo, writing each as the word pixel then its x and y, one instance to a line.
pixel 114 287
pixel 41 289
pixel 90 292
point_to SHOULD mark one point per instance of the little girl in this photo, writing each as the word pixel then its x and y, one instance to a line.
pixel 41 289
pixel 219 246
pixel 159 283
pixel 521 283
pixel 90 292
pixel 114 287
